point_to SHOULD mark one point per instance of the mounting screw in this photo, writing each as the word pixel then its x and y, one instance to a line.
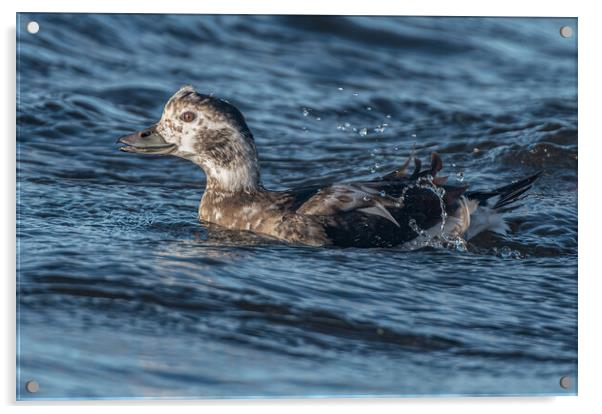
pixel 566 31
pixel 565 382
pixel 32 386
pixel 33 27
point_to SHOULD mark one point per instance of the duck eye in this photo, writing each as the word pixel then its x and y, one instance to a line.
pixel 188 116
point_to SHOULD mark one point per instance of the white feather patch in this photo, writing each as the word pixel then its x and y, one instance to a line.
pixel 486 219
pixel 380 210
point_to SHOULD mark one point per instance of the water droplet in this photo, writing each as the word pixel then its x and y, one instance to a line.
pixel 368 108
pixel 505 252
pixel 413 135
pixel 341 89
pixel 453 164
pixel 388 116
pixel 460 176
pixel 366 198
pixel 476 150
pixel 459 244
pixel 347 124
pixel 355 94
pixel 318 118
pixel 382 193
pixel 363 132
pixel 305 112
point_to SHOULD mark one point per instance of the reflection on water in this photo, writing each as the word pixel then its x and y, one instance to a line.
pixel 123 294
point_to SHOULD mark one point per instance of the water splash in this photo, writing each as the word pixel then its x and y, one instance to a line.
pixel 430 237
pixel 344 126
pixel 381 128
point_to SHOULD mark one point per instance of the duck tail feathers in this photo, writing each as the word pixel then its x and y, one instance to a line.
pixel 505 197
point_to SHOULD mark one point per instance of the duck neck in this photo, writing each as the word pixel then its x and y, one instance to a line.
pixel 229 180
pixel 232 180
pixel 226 192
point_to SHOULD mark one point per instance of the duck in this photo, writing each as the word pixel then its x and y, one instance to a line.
pixel 402 208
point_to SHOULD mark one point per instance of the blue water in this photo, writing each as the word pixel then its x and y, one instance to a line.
pixel 123 294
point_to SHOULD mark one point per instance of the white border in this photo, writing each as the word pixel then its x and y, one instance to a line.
pixel 590 70
pixel 350 7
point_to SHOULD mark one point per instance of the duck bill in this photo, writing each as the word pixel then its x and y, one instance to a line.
pixel 148 141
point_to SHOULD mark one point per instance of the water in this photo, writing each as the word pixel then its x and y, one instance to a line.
pixel 123 294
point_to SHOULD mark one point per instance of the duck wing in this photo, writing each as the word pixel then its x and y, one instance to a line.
pixel 387 211
pixel 343 198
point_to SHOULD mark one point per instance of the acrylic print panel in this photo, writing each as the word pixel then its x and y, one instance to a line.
pixel 389 206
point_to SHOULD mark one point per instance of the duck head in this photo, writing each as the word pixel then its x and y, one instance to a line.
pixel 208 131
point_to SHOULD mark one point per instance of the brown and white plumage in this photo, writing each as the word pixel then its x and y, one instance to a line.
pixel 396 209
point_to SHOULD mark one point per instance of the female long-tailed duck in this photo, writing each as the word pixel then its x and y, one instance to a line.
pixel 396 209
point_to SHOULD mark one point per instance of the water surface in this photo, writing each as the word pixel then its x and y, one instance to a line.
pixel 123 294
